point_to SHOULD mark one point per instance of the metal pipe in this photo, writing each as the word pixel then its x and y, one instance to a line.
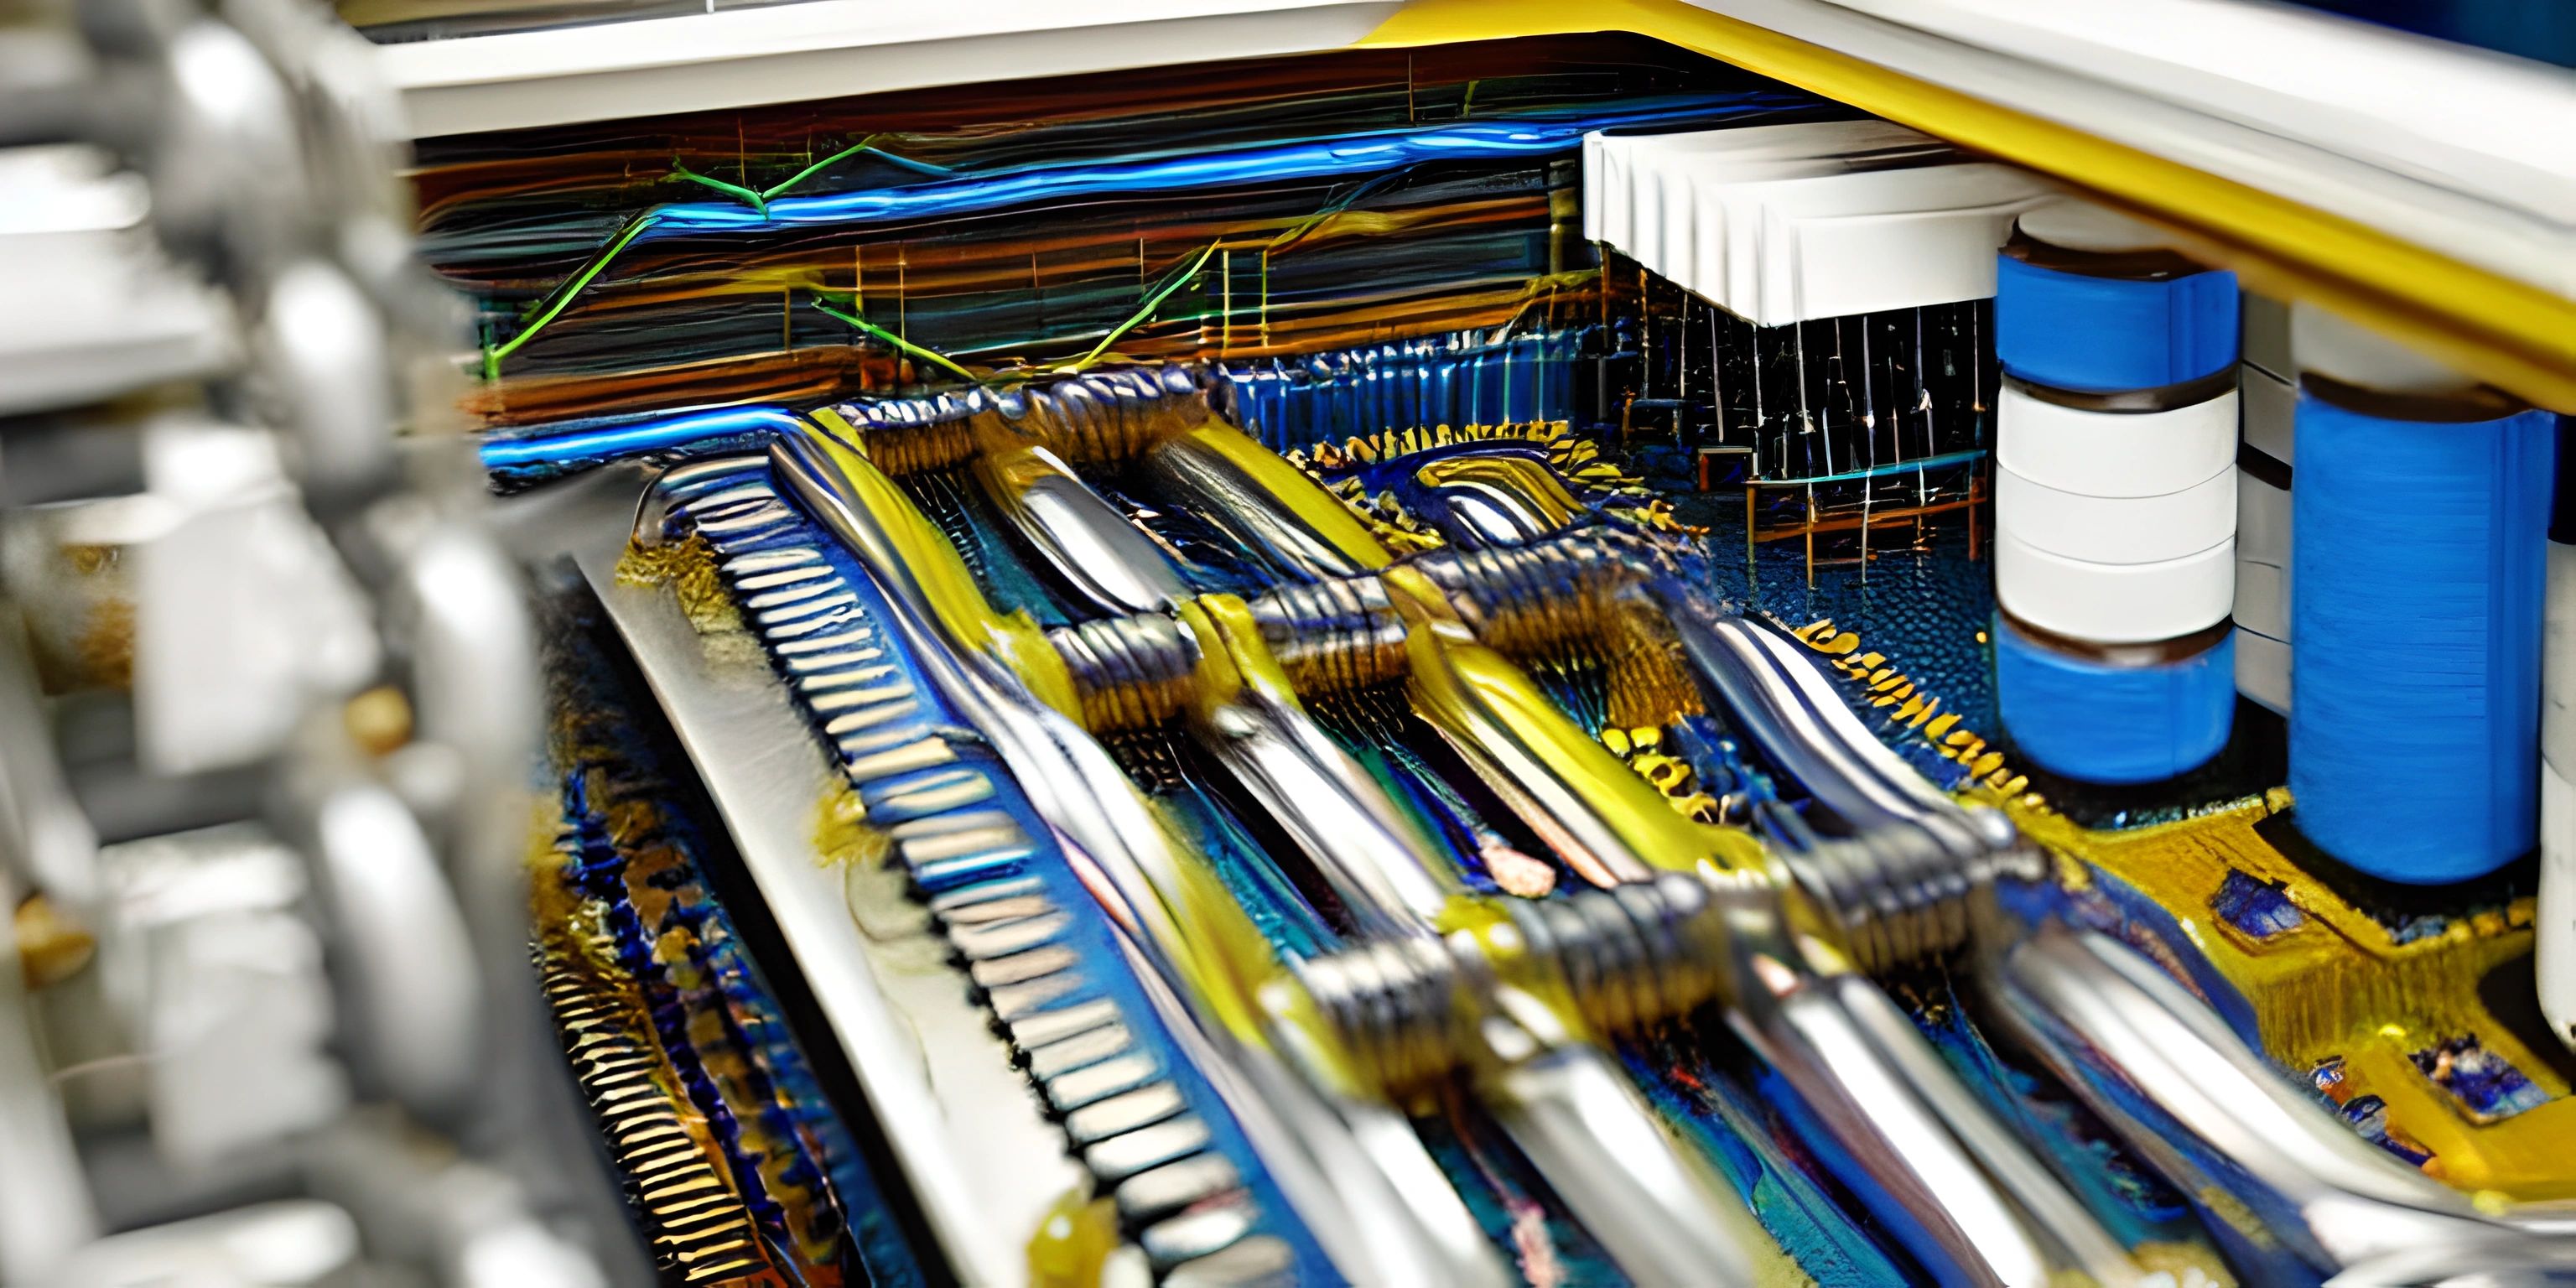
pixel 1090 547
pixel 1176 919
pixel 1660 1213
pixel 1996 1215
pixel 2166 1073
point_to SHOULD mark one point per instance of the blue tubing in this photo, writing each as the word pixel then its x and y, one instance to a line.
pixel 548 449
pixel 1500 138
pixel 2104 334
pixel 2099 723
pixel 2419 548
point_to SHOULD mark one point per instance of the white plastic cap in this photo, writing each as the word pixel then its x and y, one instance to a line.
pixel 2330 346
pixel 2081 225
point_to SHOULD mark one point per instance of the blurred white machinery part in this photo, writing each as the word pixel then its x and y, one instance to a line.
pixel 267 694
pixel 2266 463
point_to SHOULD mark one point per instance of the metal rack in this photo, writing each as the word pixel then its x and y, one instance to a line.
pixel 264 733
pixel 2419 187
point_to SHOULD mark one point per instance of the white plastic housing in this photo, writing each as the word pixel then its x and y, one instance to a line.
pixel 2114 603
pixel 2097 453
pixel 1791 223
pixel 2118 530
pixel 2556 950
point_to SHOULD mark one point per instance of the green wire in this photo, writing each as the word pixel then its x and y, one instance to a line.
pixel 762 201
pixel 868 144
pixel 759 202
pixel 897 341
pixel 1152 303
pixel 564 296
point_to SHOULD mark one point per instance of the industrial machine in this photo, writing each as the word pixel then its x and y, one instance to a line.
pixel 1285 641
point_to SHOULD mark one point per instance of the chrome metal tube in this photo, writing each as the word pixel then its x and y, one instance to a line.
pixel 1090 547
pixel 2162 1069
pixel 1329 1177
pixel 1980 1204
pixel 1385 872
pixel 1658 1212
pixel 1995 1214
pixel 1655 1206
pixel 1263 503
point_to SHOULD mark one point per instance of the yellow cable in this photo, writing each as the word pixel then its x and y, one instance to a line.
pixel 2514 335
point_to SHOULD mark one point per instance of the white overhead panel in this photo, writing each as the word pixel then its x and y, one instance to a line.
pixel 832 48
pixel 1790 223
pixel 2459 150
pixel 2455 149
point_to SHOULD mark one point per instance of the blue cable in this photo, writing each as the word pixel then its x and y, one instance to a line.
pixel 2103 334
pixel 2100 723
pixel 1339 156
pixel 2415 733
pixel 553 448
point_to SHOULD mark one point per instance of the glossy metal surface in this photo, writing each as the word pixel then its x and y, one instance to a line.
pixel 1979 1203
pixel 1177 922
pixel 1507 499
pixel 971 1140
pixel 1988 1210
pixel 1265 504
pixel 2162 1068
pixel 1656 1208
pixel 1239 703
pixel 1895 868
pixel 1391 877
pixel 1082 539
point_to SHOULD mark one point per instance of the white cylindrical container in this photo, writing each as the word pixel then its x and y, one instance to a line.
pixel 2555 961
pixel 2115 499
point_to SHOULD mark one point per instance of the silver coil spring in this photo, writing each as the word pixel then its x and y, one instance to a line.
pixel 916 435
pixel 1899 899
pixel 1391 1007
pixel 1099 418
pixel 1544 596
pixel 1131 672
pixel 1107 418
pixel 1628 956
pixel 1632 955
pixel 1333 636
pixel 1898 896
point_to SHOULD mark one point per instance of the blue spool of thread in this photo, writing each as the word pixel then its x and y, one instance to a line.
pixel 2414 744
pixel 2157 711
pixel 2107 723
pixel 2103 334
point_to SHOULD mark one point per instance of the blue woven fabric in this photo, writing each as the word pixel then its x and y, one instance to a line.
pixel 1457 379
pixel 2103 334
pixel 2114 724
pixel 2415 737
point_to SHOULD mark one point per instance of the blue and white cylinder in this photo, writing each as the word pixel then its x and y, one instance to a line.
pixel 2554 957
pixel 2266 458
pixel 2420 539
pixel 2115 500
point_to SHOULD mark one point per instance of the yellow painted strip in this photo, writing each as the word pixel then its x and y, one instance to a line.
pixel 906 544
pixel 1324 515
pixel 2514 335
